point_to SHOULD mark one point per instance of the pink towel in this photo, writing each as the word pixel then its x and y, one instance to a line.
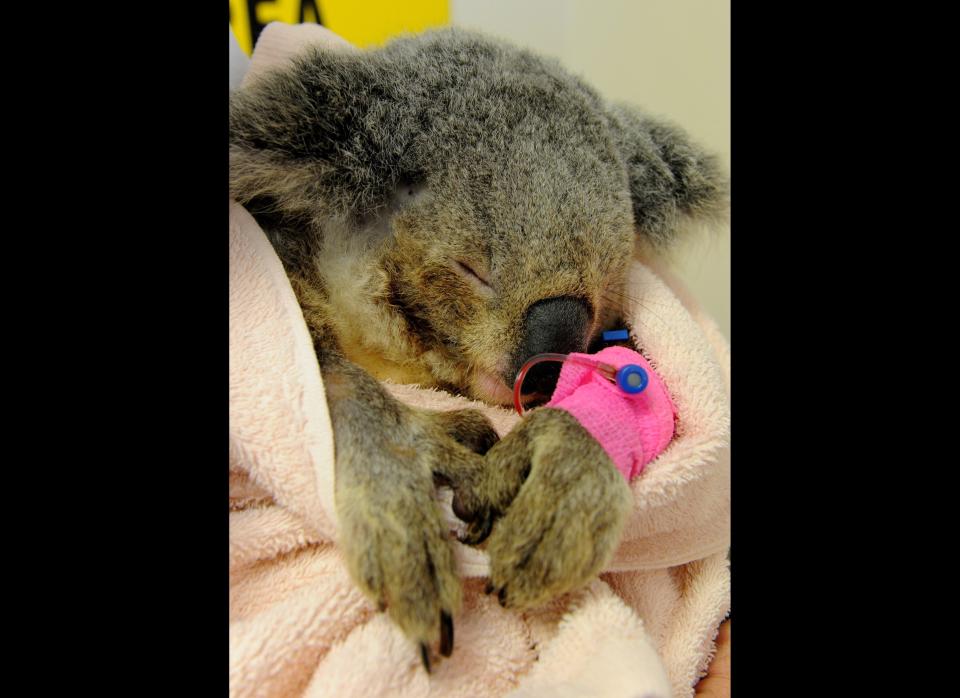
pixel 299 626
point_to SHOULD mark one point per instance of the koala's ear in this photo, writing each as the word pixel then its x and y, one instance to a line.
pixel 306 140
pixel 673 182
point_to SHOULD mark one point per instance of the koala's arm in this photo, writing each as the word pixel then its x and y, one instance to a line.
pixel 388 457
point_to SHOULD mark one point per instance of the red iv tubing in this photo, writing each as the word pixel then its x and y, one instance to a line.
pixel 606 370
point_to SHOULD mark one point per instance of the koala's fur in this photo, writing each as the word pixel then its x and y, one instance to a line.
pixel 446 206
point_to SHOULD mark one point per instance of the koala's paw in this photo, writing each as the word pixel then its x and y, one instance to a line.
pixel 398 551
pixel 565 522
pixel 394 537
pixel 479 496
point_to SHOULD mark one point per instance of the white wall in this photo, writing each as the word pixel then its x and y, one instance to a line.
pixel 671 57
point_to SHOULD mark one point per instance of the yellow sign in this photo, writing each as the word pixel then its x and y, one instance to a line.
pixel 361 22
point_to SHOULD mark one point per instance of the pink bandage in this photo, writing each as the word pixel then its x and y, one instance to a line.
pixel 633 429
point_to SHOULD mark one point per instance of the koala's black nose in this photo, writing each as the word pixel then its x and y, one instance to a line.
pixel 557 325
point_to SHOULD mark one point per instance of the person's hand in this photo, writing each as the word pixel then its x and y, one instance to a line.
pixel 716 684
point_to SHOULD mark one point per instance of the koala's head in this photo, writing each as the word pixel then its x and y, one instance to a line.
pixel 485 202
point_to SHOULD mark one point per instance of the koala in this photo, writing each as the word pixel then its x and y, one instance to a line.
pixel 445 207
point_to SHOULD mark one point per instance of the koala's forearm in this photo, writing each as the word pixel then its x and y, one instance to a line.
pixel 387 458
pixel 363 415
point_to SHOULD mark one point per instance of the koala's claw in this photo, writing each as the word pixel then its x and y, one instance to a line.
pixel 490 587
pixel 478 529
pixel 425 656
pixel 479 520
pixel 446 634
pixel 446 641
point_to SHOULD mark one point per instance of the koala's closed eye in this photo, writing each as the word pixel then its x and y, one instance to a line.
pixel 466 271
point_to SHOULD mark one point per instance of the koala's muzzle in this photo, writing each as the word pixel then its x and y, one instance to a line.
pixel 557 325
